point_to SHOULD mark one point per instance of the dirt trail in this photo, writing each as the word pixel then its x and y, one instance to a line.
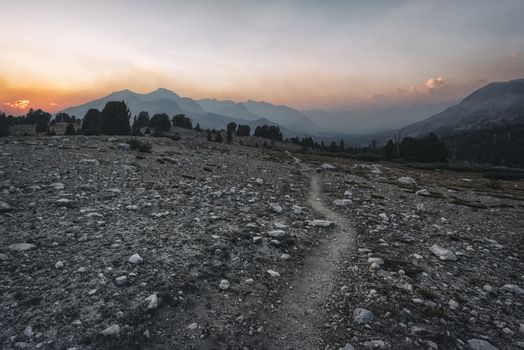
pixel 297 323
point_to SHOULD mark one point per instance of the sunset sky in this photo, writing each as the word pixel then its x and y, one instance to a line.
pixel 307 54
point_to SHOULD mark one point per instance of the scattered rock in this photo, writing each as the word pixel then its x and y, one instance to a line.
pixel 362 316
pixel 443 253
pixel 224 284
pixel 21 247
pixel 153 301
pixel 273 273
pixel 479 344
pixel 111 330
pixel 406 180
pixel 136 259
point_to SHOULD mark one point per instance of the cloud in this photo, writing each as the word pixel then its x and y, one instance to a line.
pixel 429 86
pixel 434 83
pixel 18 104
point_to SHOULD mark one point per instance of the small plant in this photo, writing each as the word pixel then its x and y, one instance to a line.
pixel 140 146
pixel 427 293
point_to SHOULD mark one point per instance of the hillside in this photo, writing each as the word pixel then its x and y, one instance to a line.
pixel 499 103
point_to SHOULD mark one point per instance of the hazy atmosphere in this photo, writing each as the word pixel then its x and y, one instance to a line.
pixel 262 175
pixel 305 54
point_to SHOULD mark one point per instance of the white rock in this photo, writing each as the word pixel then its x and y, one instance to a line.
pixel 277 233
pixel 64 201
pixel 89 161
pixel 384 217
pixel 406 180
pixel 348 194
pixel 224 284
pixel 136 259
pixel 285 256
pixel 512 289
pixel 4 207
pixel 342 202
pixel 362 316
pixel 423 192
pixel 259 181
pixel 250 280
pixel 57 186
pixel 276 208
pixel 320 223
pixel 111 330
pixel 59 265
pixel 153 301
pixel 327 166
pixel 479 344
pixel 422 207
pixel 347 347
pixel 374 344
pixel 21 247
pixel 192 326
pixel 273 273
pixel 280 225
pixel 121 280
pixel 453 304
pixel 443 253
pixel 124 146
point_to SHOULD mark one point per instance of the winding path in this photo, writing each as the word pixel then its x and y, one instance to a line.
pixel 298 322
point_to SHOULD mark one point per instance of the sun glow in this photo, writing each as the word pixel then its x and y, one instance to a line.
pixel 18 104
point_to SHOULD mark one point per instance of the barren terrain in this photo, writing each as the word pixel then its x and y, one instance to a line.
pixel 210 246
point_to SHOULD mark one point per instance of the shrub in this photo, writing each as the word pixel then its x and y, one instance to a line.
pixel 70 129
pixel 139 145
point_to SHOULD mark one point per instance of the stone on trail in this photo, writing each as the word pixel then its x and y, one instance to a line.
pixel 362 316
pixel 406 180
pixel 342 202
pixel 479 344
pixel 111 330
pixel 347 347
pixel 21 247
pixel 327 166
pixel 136 259
pixel 4 207
pixel 348 194
pixel 259 181
pixel 121 280
pixel 320 223
pixel 443 253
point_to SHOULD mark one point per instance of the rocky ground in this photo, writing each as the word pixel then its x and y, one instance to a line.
pixel 197 246
pixel 439 261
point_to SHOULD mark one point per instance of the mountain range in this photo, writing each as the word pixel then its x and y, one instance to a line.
pixel 213 114
pixel 495 104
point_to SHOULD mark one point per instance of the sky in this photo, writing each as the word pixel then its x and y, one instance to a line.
pixel 308 54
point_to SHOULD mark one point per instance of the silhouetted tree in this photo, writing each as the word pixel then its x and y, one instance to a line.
pixel 197 128
pixel 41 119
pixel 92 122
pixel 5 125
pixel 232 126
pixel 115 119
pixel 389 150
pixel 160 122
pixel 62 118
pixel 218 137
pixel 70 129
pixel 140 122
pixel 181 121
pixel 229 136
pixel 209 137
pixel 271 132
pixel 243 130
